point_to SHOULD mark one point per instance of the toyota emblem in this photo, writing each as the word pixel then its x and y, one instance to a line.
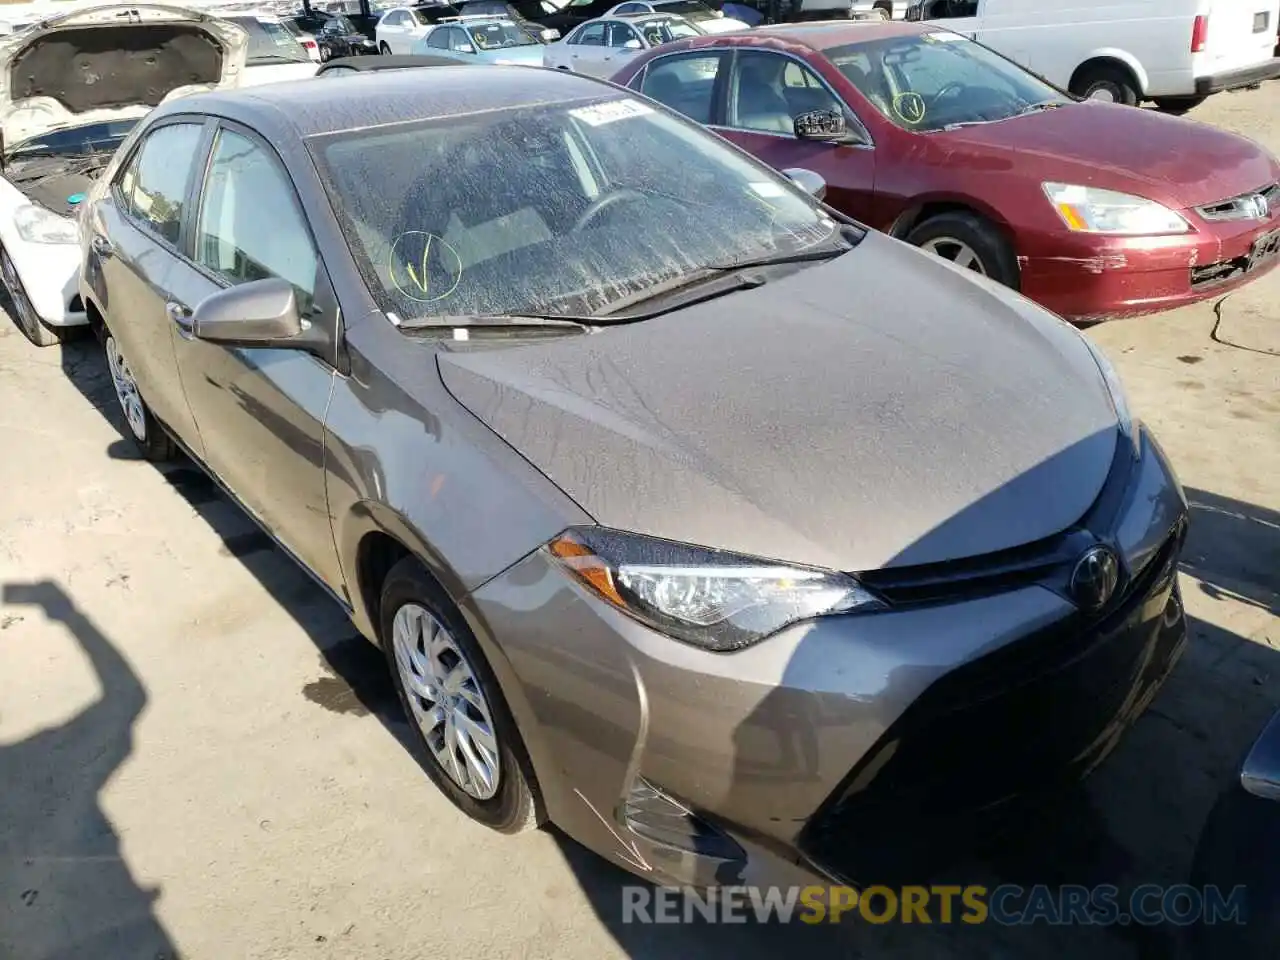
pixel 1095 578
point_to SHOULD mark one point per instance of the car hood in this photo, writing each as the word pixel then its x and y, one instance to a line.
pixel 528 55
pixel 881 409
pixel 1172 160
pixel 110 63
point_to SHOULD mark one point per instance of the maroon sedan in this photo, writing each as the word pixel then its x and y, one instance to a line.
pixel 1091 209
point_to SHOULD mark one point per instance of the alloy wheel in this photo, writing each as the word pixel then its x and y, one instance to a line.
pixel 1105 94
pixel 26 318
pixel 957 251
pixel 126 390
pixel 446 700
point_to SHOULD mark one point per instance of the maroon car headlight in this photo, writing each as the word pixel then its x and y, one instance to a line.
pixel 712 599
pixel 1094 210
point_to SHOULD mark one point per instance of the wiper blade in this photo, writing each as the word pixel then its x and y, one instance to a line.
pixel 1039 107
pixel 801 256
pixel 495 321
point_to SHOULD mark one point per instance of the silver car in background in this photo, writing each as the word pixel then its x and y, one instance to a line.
pixel 734 539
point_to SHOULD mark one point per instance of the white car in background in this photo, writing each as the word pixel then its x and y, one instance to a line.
pixel 274 53
pixel 307 40
pixel 705 18
pixel 402 27
pixel 64 109
pixel 600 47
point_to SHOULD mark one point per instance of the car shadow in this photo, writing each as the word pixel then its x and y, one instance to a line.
pixel 65 889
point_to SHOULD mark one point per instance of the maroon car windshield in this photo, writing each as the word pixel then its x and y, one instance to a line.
pixel 933 81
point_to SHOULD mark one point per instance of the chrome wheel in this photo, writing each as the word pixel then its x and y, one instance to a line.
pixel 446 700
pixel 957 251
pixel 126 390
pixel 1105 94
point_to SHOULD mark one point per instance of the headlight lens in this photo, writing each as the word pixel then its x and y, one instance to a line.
pixel 1092 210
pixel 1119 401
pixel 38 225
pixel 708 598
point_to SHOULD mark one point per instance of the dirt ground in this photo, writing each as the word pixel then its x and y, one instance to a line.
pixel 199 757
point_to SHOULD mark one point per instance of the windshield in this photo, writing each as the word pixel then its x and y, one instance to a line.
pixel 685 8
pixel 664 31
pixel 612 197
pixel 935 80
pixel 93 139
pixel 499 36
pixel 270 42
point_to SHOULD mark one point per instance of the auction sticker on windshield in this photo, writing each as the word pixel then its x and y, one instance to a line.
pixel 598 114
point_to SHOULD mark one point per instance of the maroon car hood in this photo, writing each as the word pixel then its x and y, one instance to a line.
pixel 1173 161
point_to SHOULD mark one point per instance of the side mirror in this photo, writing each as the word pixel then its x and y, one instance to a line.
pixel 263 313
pixel 808 181
pixel 632 45
pixel 824 126
pixel 464 48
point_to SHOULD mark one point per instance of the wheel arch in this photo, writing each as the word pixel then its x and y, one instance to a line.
pixel 926 207
pixel 1115 58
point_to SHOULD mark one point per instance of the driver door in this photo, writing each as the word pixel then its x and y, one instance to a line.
pixel 961 16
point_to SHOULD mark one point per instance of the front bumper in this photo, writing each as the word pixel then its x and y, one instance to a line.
pixel 824 749
pixel 50 274
pixel 1238 79
pixel 1082 277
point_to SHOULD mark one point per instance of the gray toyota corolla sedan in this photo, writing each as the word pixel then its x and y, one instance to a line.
pixel 736 540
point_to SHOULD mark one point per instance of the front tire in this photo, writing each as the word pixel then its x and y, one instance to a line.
pixel 970 242
pixel 384 49
pixel 453 703
pixel 140 425
pixel 26 318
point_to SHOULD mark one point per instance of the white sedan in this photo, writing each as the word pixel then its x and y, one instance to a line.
pixel 402 27
pixel 62 124
pixel 696 12
pixel 600 47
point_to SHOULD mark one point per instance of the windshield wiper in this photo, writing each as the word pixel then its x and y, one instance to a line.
pixel 1039 107
pixel 801 256
pixel 496 321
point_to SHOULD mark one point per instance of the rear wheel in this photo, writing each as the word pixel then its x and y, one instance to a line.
pixel 1107 82
pixel 25 316
pixel 1179 105
pixel 970 242
pixel 140 424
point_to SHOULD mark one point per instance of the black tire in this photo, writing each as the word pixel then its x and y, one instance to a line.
pixel 514 807
pixel 1094 79
pixel 25 317
pixel 151 439
pixel 885 14
pixel 996 255
pixel 1177 106
pixel 383 49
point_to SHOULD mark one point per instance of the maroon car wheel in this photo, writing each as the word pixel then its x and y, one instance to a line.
pixel 970 242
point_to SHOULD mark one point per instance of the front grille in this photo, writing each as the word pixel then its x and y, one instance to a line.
pixel 1254 205
pixel 1020 720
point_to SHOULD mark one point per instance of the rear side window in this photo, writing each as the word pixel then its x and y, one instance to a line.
pixel 250 226
pixel 153 186
pixel 684 83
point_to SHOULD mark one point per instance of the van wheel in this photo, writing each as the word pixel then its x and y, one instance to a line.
pixel 1177 106
pixel 1103 81
pixel 970 242
pixel 456 710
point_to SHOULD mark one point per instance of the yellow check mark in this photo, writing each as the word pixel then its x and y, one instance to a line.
pixel 424 281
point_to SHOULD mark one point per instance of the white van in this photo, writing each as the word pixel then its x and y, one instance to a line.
pixel 1175 52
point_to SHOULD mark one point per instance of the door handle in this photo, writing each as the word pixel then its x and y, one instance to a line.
pixel 181 316
pixel 101 245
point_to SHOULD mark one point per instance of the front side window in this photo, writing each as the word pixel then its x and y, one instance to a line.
pixel 154 188
pixel 250 227
pixel 438 38
pixel 684 83
pixel 931 81
pixel 621 36
pixel 657 32
pixel 614 196
pixel 592 35
pixel 459 42
pixel 769 91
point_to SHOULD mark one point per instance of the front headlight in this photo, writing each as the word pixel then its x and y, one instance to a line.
pixel 1093 210
pixel 1119 401
pixel 38 225
pixel 714 600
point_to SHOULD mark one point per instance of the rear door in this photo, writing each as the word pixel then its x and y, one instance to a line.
pixel 133 263
pixel 1240 34
pixel 587 54
pixel 260 411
